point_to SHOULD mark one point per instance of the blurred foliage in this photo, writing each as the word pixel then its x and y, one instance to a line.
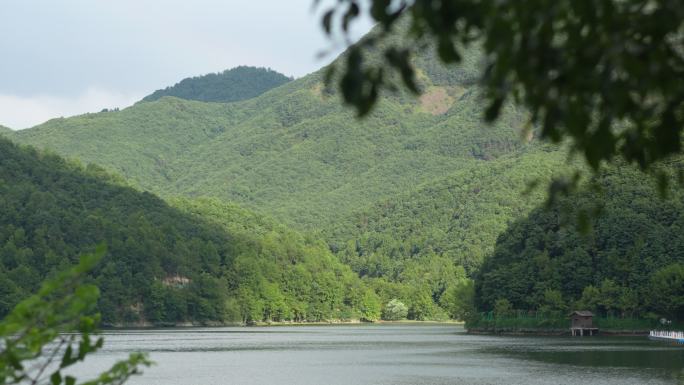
pixel 600 74
pixel 56 328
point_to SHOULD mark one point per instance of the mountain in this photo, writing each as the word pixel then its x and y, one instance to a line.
pixel 415 198
pixel 629 263
pixel 408 204
pixel 164 264
pixel 239 83
pixel 294 152
pixel 391 194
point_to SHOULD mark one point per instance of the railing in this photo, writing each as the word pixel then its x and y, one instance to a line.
pixel 558 321
pixel 667 334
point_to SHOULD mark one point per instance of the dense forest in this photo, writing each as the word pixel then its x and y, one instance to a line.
pixel 458 217
pixel 163 264
pixel 292 155
pixel 276 207
pixel 628 262
pixel 231 85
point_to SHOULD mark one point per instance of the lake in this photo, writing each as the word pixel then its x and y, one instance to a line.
pixel 386 355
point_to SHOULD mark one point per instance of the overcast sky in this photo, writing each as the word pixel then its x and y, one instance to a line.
pixel 67 57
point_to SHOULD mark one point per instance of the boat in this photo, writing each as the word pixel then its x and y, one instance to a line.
pixel 667 335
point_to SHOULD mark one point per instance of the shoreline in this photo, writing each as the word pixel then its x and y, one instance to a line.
pixel 556 332
pixel 191 325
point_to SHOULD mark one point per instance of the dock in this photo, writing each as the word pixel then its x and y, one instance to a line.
pixel 667 335
pixel 579 331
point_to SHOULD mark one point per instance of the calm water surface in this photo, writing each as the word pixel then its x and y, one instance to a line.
pixel 386 355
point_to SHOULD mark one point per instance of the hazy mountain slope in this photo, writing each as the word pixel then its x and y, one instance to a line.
pixel 231 85
pixel 163 264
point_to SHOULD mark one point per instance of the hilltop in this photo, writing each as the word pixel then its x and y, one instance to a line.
pixel 239 83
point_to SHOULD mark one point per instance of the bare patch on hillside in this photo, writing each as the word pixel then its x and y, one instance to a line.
pixel 320 91
pixel 438 100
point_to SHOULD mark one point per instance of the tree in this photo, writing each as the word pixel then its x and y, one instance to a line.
pixel 552 302
pixel 502 308
pixel 370 306
pixel 597 73
pixel 52 330
pixel 459 300
pixel 395 310
pixel 667 291
pixel 591 297
pixel 421 306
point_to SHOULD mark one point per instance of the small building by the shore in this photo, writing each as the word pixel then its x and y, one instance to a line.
pixel 581 321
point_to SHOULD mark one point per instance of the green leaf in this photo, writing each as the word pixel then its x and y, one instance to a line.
pixel 56 378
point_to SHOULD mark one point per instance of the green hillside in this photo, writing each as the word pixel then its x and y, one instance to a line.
pixel 631 262
pixel 231 85
pixel 458 217
pixel 412 197
pixel 163 264
pixel 294 152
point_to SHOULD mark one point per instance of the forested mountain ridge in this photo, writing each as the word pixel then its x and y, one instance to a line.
pixel 231 85
pixel 294 152
pixel 164 265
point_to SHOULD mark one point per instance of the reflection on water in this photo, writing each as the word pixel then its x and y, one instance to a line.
pixel 387 354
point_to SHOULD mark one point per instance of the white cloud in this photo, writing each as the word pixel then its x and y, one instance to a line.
pixel 19 112
pixel 53 50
